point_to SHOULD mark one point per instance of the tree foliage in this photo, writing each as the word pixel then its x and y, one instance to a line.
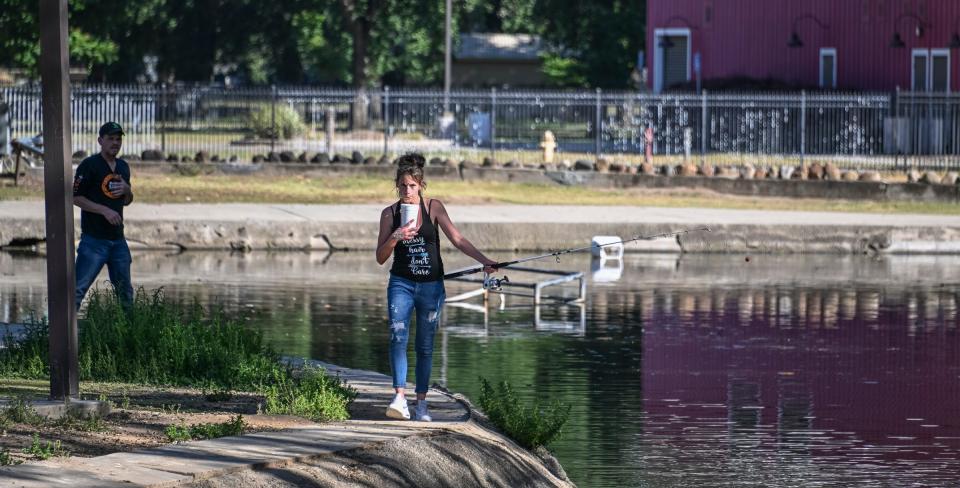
pixel 355 42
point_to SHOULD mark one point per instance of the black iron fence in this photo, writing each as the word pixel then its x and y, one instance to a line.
pixel 854 129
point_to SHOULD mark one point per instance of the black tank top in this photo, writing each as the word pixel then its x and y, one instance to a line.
pixel 419 258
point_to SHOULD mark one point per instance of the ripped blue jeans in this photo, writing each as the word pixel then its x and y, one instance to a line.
pixel 403 296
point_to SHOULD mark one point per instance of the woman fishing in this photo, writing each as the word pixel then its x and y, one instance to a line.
pixel 416 277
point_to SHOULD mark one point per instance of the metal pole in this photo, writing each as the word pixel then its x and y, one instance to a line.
pixel 596 127
pixel 446 57
pixel 58 196
pixel 273 118
pixel 386 118
pixel 163 113
pixel 803 125
pixel 493 123
pixel 703 127
pixel 896 128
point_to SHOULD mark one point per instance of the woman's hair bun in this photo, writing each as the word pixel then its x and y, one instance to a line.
pixel 412 160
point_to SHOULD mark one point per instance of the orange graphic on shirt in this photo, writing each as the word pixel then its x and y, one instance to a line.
pixel 105 185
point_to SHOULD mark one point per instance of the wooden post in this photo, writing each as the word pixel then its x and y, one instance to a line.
pixel 58 194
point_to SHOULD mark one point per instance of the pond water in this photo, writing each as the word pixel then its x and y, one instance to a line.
pixel 680 370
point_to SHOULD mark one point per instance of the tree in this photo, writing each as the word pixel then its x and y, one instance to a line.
pixel 20 37
pixel 593 43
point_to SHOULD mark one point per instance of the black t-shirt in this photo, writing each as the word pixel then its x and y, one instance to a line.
pixel 92 181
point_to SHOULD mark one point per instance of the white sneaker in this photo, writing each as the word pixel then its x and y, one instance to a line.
pixel 421 413
pixel 398 408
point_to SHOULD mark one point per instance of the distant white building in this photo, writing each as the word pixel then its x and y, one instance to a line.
pixel 491 59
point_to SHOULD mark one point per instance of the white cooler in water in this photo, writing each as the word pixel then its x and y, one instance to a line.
pixel 612 251
pixel 613 247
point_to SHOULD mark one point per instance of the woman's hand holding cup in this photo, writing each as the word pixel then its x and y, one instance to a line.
pixel 405 233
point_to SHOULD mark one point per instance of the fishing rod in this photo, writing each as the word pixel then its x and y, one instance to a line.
pixel 557 254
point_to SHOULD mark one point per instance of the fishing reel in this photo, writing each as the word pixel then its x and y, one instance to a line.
pixel 493 284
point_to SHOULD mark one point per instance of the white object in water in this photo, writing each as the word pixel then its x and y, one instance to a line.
pixel 606 271
pixel 607 247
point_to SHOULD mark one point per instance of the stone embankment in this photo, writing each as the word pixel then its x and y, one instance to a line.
pixel 512 228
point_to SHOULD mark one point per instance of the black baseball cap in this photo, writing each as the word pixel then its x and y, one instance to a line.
pixel 110 128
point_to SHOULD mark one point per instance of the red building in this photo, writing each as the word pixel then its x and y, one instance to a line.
pixel 874 45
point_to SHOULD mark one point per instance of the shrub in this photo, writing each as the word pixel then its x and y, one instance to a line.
pixel 285 123
pixel 531 427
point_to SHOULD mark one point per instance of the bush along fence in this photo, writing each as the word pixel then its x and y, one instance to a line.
pixel 900 130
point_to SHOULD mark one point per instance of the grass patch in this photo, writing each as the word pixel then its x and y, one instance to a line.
pixel 160 343
pixel 339 189
pixel 530 426
pixel 181 433
pixel 368 189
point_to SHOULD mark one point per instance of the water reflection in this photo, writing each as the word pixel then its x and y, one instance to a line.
pixel 685 371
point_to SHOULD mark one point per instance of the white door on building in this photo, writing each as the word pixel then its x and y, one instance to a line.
pixel 672 61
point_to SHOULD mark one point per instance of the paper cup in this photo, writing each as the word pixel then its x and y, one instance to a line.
pixel 408 214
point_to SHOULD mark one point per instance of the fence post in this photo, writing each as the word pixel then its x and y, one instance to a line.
pixel 386 119
pixel 896 128
pixel 596 127
pixel 330 125
pixel 803 125
pixel 273 118
pixel 703 127
pixel 493 123
pixel 163 118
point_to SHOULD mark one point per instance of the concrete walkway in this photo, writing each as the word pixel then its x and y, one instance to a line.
pixel 181 464
pixel 518 214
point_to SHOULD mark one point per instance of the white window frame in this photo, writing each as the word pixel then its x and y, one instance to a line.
pixel 939 53
pixel 658 58
pixel 929 54
pixel 919 53
pixel 828 51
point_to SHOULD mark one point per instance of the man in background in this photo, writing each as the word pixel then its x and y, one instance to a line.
pixel 101 188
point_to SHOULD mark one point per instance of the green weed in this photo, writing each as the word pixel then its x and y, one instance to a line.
pixel 43 451
pixel 72 422
pixel 181 433
pixel 312 394
pixel 530 427
pixel 6 459
pixel 21 412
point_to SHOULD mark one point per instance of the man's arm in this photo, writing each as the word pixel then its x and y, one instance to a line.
pixel 108 213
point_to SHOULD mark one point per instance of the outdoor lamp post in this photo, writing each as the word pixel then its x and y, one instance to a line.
pixel 795 41
pixel 897 41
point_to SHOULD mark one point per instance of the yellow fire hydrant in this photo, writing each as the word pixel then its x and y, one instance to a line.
pixel 549 145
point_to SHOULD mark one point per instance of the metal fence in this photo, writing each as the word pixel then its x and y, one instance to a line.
pixel 854 129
